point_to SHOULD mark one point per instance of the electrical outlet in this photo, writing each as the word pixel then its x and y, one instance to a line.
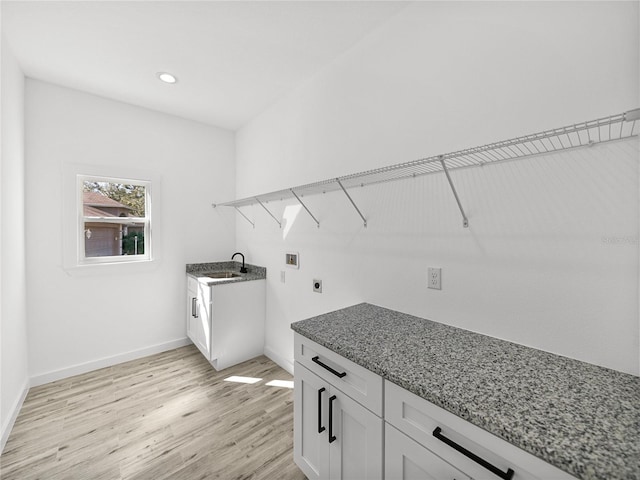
pixel 435 278
pixel 317 286
pixel 282 276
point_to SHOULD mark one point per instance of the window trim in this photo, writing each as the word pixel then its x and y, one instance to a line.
pixel 72 215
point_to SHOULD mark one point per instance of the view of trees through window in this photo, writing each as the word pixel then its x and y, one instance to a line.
pixel 114 218
pixel 132 196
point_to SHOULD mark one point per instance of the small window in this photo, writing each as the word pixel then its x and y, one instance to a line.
pixel 114 220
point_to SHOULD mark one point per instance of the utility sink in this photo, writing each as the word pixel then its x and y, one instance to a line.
pixel 221 275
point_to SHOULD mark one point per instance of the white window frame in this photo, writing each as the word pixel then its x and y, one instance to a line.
pixel 73 210
pixel 82 219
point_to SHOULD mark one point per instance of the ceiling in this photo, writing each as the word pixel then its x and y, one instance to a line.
pixel 232 58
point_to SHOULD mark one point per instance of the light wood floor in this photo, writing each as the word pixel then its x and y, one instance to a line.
pixel 167 416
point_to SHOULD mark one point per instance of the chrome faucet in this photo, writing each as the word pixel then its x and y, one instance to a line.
pixel 242 269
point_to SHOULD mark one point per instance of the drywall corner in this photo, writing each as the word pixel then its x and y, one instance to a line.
pixel 14 372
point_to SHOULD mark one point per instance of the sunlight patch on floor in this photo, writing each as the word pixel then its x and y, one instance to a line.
pixel 280 383
pixel 238 379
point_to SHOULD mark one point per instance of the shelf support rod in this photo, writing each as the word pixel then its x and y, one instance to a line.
pixel 352 202
pixel 272 216
pixel 245 217
pixel 305 207
pixel 465 220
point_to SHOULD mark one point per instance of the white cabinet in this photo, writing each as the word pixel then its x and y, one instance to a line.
pixel 226 321
pixel 335 397
pixel 335 437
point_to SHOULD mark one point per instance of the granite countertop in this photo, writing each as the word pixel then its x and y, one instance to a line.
pixel 579 417
pixel 198 271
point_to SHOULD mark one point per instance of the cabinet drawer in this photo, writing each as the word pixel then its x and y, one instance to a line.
pixel 419 418
pixel 362 385
pixel 406 459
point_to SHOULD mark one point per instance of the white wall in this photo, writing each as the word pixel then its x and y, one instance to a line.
pixel 551 256
pixel 79 322
pixel 14 375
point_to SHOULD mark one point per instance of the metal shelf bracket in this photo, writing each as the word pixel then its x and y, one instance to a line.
pixel 245 217
pixel 269 212
pixel 352 202
pixel 305 207
pixel 465 220
pixel 215 205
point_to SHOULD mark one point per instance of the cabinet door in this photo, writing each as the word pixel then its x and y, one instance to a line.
pixel 192 296
pixel 190 310
pixel 406 459
pixel 310 440
pixel 200 319
pixel 356 452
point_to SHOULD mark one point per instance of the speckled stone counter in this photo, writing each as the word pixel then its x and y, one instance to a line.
pixel 198 271
pixel 579 417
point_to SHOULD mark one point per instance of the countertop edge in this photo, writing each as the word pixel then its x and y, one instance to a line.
pixel 254 272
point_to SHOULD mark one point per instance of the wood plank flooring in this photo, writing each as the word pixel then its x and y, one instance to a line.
pixel 167 416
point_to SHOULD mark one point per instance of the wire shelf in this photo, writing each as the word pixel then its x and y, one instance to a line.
pixel 614 127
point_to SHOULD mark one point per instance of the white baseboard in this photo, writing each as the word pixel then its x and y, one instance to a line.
pixel 285 363
pixel 15 410
pixel 106 362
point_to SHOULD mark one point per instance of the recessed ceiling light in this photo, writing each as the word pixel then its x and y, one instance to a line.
pixel 167 77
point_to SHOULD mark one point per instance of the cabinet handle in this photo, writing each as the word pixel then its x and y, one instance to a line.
pixel 332 437
pixel 316 359
pixel 194 307
pixel 320 427
pixel 508 475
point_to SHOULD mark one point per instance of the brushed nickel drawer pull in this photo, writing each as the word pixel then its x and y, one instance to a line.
pixel 194 307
